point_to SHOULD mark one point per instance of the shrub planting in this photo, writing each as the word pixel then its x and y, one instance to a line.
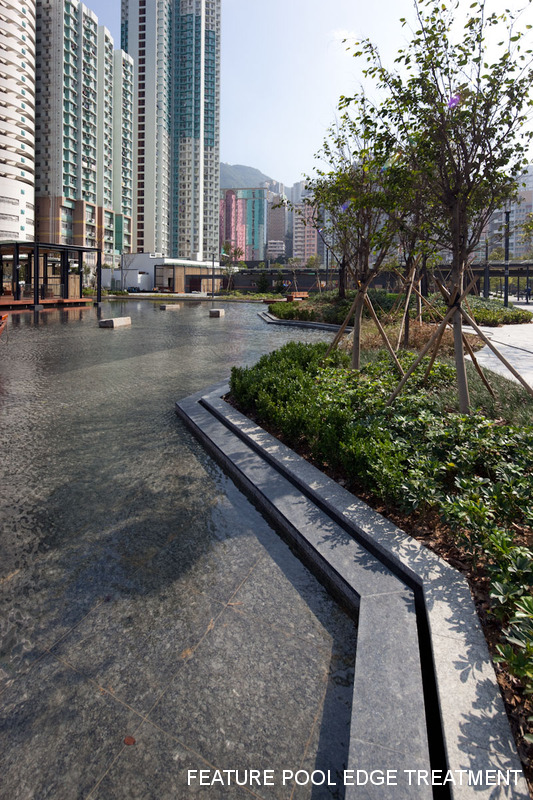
pixel 327 307
pixel 476 471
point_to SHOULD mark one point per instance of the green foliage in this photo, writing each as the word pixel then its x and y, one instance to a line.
pixel 518 651
pixel 263 284
pixel 327 307
pixel 453 125
pixel 486 311
pixel 477 472
pixel 293 310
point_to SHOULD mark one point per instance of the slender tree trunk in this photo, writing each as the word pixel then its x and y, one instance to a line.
pixel 460 364
pixel 406 319
pixel 342 279
pixel 424 283
pixel 459 232
pixel 358 317
pixel 406 332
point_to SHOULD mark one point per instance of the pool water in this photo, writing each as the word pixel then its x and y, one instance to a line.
pixel 140 590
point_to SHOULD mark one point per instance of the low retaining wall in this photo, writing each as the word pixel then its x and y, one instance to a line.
pixel 426 703
pixel 266 316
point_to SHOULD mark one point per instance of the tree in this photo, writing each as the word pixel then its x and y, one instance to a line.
pixel 352 204
pixel 230 257
pixel 459 126
pixel 263 284
pixel 279 287
pixel 314 262
pixel 498 254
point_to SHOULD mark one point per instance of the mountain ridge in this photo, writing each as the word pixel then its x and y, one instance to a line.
pixel 239 176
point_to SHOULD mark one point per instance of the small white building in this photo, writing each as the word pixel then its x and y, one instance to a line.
pixel 148 271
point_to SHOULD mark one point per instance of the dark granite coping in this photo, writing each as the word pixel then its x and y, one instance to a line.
pixel 425 693
pixel 266 316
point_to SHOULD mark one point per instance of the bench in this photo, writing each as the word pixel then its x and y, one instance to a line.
pixel 297 296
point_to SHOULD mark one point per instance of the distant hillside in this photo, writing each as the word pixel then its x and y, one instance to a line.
pixel 237 176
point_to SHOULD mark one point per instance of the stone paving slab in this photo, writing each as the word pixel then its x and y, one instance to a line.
pixel 515 343
pixel 384 674
pixel 157 767
pixel 227 664
pixel 149 632
pixel 270 319
pixel 33 724
pixel 474 725
pixel 200 683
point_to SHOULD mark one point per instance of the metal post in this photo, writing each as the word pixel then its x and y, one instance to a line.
pixel 36 297
pixel 45 273
pixel 64 274
pixel 80 271
pixel 16 273
pixel 506 277
pixel 99 277
pixel 528 287
pixel 213 276
pixel 486 277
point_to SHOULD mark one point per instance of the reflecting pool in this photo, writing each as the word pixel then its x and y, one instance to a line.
pixel 142 594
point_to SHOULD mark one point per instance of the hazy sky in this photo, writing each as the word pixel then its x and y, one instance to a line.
pixel 284 67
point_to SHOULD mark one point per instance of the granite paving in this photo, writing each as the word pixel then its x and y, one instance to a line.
pixel 152 621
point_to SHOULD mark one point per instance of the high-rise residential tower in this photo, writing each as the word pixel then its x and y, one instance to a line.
pixel 175 45
pixel 17 118
pixel 83 132
pixel 243 221
pixel 305 236
pixel 123 150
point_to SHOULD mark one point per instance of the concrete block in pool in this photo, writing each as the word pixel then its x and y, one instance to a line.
pixel 115 322
pixel 216 312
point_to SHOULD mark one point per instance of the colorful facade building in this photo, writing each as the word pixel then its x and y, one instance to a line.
pixel 17 119
pixel 243 221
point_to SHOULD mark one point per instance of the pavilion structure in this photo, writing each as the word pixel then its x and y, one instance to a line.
pixel 38 274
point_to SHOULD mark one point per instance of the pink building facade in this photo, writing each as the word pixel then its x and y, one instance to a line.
pixel 243 221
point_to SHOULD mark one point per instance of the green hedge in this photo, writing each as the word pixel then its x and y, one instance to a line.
pixel 477 472
pixel 292 311
pixel 488 311
pixel 327 307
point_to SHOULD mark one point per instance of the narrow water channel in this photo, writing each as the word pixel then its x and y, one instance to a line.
pixel 141 594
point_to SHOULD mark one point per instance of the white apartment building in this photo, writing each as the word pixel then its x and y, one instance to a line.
pixel 147 37
pixel 305 237
pixel 17 119
pixel 75 128
pixel 123 73
pixel 175 45
pixel 493 238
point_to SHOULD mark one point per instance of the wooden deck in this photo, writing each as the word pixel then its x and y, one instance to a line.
pixel 7 302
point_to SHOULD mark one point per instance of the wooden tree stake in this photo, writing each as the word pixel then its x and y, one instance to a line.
pixel 415 363
pixel 496 352
pixel 383 334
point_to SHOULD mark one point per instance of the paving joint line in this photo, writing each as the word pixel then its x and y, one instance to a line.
pixel 470 705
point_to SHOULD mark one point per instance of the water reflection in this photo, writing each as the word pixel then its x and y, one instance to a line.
pixel 89 440
pixel 118 528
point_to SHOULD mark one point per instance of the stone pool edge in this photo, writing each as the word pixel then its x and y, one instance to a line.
pixel 474 727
